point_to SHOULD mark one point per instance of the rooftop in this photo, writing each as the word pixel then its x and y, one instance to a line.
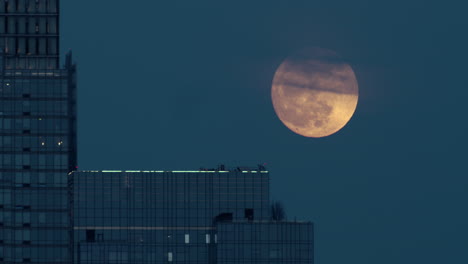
pixel 174 171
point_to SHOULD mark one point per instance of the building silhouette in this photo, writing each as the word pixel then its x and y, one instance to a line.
pixel 37 135
pixel 206 216
pixel 51 213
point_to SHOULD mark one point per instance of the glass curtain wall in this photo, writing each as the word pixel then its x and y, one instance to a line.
pixel 37 135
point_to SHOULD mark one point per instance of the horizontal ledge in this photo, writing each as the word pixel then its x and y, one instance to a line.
pixel 28 14
pixel 143 228
pixel 138 171
pixel 8 35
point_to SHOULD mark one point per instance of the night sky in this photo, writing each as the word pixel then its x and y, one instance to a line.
pixel 186 84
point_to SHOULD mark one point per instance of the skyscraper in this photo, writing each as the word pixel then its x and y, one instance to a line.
pixel 37 134
pixel 206 216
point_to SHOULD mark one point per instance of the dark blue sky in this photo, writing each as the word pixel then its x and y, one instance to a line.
pixel 186 84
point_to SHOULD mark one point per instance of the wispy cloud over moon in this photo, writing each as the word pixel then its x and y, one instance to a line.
pixel 314 92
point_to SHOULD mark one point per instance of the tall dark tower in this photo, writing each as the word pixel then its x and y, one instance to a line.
pixel 37 135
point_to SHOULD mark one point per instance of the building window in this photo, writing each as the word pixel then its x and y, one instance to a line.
pixel 90 235
pixel 224 217
pixel 207 238
pixel 117 257
pixel 274 254
pixel 169 256
pixel 187 238
pixel 42 218
pixel 249 214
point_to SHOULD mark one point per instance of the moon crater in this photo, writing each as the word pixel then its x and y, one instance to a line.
pixel 314 92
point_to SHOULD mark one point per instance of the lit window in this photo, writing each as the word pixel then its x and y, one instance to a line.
pixel 207 238
pixel 169 256
pixel 187 238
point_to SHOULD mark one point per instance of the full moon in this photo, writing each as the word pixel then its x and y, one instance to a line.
pixel 314 92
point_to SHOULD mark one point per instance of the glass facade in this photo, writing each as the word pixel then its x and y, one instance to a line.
pixel 37 135
pixel 179 217
pixel 264 242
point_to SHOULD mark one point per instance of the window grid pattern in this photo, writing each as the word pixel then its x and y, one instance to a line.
pixel 272 242
pixel 154 214
pixel 37 151
pixel 29 34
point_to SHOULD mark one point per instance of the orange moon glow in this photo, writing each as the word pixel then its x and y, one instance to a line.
pixel 314 92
